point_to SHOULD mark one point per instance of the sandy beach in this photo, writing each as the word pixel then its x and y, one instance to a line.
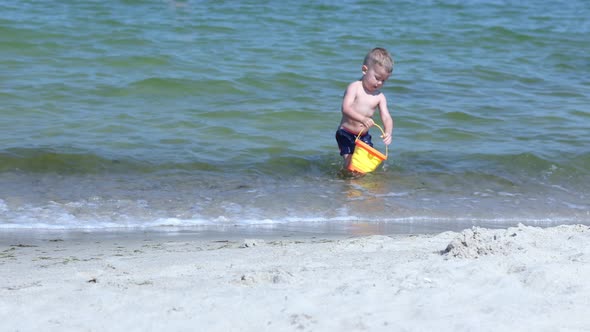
pixel 517 279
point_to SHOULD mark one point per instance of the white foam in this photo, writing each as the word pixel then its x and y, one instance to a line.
pixel 98 214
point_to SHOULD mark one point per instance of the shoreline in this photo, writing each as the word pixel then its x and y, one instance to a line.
pixel 517 278
pixel 302 229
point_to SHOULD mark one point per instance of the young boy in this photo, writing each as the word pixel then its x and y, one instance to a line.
pixel 361 99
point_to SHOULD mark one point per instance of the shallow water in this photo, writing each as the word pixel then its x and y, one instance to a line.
pixel 183 113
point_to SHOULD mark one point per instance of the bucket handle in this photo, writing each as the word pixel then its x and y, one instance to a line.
pixel 383 132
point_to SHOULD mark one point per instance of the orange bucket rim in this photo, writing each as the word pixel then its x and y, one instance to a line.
pixel 368 150
pixel 382 132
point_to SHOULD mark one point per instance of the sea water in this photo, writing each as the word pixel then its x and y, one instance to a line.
pixel 145 114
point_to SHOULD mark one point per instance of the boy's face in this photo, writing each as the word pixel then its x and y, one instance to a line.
pixel 374 77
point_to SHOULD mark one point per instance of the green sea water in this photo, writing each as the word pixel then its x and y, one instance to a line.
pixel 133 114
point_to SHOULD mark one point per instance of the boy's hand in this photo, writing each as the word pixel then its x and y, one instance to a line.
pixel 386 139
pixel 368 123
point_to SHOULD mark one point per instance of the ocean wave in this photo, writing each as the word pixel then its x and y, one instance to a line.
pixel 279 162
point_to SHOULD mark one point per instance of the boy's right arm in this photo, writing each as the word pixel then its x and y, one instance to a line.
pixel 348 108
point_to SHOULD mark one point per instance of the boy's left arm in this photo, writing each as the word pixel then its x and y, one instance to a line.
pixel 387 121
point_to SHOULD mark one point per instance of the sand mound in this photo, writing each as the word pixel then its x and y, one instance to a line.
pixel 476 242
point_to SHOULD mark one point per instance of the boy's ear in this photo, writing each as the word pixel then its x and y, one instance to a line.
pixel 364 69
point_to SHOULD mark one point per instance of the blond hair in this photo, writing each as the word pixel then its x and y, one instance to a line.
pixel 379 56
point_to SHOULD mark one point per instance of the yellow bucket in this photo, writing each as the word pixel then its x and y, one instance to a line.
pixel 365 158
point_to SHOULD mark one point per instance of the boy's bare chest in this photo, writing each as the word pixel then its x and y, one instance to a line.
pixel 366 103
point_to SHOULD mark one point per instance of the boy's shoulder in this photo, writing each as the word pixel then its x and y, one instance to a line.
pixel 355 85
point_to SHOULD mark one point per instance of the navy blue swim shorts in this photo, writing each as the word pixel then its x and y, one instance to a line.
pixel 346 140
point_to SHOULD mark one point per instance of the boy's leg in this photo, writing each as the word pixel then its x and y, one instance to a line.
pixel 345 173
pixel 347 159
pixel 346 145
